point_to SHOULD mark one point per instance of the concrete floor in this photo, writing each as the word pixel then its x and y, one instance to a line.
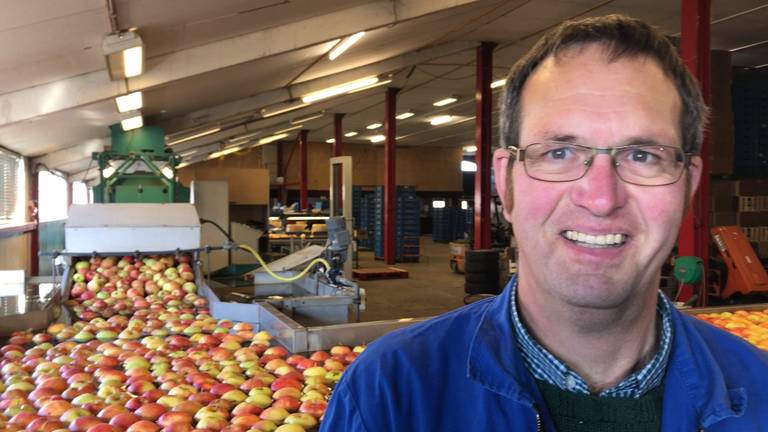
pixel 431 288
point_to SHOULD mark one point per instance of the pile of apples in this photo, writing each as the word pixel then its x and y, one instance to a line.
pixel 146 356
pixel 749 325
pixel 104 287
pixel 158 375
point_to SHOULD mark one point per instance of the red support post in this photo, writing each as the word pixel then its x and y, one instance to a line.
pixel 338 135
pixel 281 173
pixel 32 214
pixel 303 204
pixel 483 139
pixel 337 150
pixel 390 184
pixel 693 238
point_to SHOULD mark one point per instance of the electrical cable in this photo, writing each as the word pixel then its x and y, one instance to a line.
pixel 226 234
pixel 281 278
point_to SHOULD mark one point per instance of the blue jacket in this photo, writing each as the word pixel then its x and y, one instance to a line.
pixel 462 371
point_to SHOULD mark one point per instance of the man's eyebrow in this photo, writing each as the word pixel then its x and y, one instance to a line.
pixel 560 137
pixel 642 140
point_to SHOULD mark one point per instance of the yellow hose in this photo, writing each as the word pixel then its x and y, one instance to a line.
pixel 281 278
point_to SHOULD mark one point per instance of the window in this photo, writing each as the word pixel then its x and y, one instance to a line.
pixel 80 193
pixel 52 200
pixel 12 189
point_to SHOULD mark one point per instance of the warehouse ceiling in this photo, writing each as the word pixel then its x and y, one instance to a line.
pixel 217 64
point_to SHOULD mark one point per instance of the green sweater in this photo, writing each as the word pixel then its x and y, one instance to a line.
pixel 574 412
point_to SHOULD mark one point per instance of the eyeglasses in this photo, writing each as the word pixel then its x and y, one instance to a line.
pixel 643 165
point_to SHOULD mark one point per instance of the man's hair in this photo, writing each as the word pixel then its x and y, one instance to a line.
pixel 622 37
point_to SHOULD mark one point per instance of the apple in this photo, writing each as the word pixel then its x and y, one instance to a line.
pixel 314 407
pixel 274 414
pixel 143 426
pixel 83 423
pixel 304 420
pixel 289 403
pixel 290 428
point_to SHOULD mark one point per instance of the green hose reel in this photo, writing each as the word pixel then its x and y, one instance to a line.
pixel 689 269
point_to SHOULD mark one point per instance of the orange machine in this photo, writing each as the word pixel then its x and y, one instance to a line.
pixel 745 271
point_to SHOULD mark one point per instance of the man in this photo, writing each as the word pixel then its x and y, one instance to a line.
pixel 601 131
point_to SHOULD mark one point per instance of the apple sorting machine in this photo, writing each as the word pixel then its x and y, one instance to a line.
pixel 306 314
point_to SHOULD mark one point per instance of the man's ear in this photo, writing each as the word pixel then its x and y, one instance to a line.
pixel 694 176
pixel 501 160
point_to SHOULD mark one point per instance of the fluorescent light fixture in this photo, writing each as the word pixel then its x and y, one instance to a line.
pixel 339 89
pixel 434 121
pixel 108 171
pixel 464 204
pixel 307 118
pixel 373 126
pixel 188 152
pixel 405 115
pixel 468 166
pixel 330 140
pixel 273 138
pixel 282 107
pixel 167 172
pixel 378 84
pixel 273 218
pixel 130 102
pixel 292 128
pixel 444 102
pixel 344 45
pixel 498 83
pixel 245 136
pixel 377 138
pixel 182 165
pixel 350 134
pixel 131 120
pixel 470 149
pixel 125 54
pixel 438 204
pixel 194 136
pixel 224 152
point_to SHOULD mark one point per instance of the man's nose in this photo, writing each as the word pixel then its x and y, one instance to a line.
pixel 600 191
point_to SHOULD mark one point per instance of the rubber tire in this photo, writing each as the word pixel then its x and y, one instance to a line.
pixel 482 266
pixel 481 288
pixel 481 255
pixel 481 278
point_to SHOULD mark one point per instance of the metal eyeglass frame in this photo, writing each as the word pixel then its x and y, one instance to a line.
pixel 519 155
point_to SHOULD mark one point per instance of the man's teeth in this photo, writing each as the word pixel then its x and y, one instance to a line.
pixel 595 240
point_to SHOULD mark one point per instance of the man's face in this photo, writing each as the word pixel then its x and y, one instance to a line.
pixel 583 98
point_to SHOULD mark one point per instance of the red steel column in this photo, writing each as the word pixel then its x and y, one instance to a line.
pixel 483 134
pixel 338 135
pixel 390 184
pixel 695 51
pixel 34 235
pixel 337 150
pixel 302 138
pixel 282 196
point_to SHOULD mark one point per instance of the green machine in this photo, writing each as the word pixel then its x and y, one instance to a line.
pixel 138 169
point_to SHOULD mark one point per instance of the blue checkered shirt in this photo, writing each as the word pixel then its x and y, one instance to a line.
pixel 546 367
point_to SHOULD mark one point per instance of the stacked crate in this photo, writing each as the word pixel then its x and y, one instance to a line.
pixel 407 223
pixel 363 212
pixel 743 203
pixel 450 223
pixel 750 114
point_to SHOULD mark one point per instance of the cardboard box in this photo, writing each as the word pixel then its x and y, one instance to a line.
pixel 753 219
pixel 752 187
pixel 723 218
pixel 723 196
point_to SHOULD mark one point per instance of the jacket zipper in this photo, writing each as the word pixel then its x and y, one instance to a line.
pixel 538 419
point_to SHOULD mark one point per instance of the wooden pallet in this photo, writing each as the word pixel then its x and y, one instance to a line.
pixel 379 273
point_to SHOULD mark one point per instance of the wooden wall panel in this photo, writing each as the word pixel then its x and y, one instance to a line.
pixel 14 252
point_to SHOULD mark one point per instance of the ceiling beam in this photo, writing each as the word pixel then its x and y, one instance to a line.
pixel 96 86
pixel 61 158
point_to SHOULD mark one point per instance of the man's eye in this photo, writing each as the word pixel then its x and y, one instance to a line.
pixel 642 156
pixel 560 153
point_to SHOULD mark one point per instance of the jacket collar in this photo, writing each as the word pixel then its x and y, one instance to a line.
pixel 694 375
pixel 694 383
pixel 494 360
